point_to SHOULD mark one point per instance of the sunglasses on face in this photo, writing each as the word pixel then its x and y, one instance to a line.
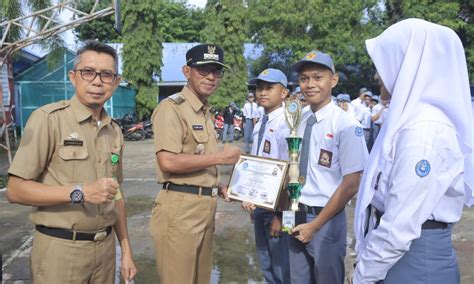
pixel 206 70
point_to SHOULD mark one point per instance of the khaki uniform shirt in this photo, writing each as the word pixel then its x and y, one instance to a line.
pixel 182 124
pixel 63 145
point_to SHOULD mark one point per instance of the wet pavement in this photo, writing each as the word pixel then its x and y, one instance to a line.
pixel 234 248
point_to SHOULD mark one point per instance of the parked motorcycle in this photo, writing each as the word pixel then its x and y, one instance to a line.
pixel 148 128
pixel 126 122
pixel 135 133
pixel 238 126
pixel 219 125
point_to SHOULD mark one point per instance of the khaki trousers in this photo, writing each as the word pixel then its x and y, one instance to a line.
pixel 182 227
pixel 55 260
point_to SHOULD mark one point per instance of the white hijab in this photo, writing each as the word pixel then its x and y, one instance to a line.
pixel 420 63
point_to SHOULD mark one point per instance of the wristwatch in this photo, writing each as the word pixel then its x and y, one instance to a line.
pixel 77 196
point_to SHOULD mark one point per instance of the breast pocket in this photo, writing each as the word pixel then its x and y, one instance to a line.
pixel 71 166
pixel 201 137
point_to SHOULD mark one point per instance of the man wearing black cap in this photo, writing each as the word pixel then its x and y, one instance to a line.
pixel 182 221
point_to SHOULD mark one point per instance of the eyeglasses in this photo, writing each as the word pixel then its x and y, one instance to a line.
pixel 90 75
pixel 204 71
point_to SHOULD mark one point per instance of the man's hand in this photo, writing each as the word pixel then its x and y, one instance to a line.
pixel 248 206
pixel 229 155
pixel 275 227
pixel 100 191
pixel 222 192
pixel 304 232
pixel 128 268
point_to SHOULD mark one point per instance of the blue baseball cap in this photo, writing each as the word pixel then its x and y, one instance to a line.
pixel 343 98
pixel 272 76
pixel 316 57
pixel 375 98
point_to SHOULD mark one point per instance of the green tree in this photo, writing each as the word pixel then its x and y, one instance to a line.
pixel 11 9
pixel 226 26
pixel 101 29
pixel 177 23
pixel 466 33
pixel 289 30
pixel 142 51
pixel 454 14
pixel 180 24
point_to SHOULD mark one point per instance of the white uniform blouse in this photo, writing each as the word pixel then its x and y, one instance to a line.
pixel 424 181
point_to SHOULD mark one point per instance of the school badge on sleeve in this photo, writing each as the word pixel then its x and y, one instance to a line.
pixel 422 168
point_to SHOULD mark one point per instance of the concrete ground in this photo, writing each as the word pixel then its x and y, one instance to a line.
pixel 234 251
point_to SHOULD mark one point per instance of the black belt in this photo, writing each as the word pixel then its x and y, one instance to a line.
pixel 427 225
pixel 315 210
pixel 74 236
pixel 207 191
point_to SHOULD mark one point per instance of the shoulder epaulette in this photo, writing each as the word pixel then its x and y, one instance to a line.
pixel 49 108
pixel 177 98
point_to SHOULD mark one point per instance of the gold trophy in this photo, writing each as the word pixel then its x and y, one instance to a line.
pixel 293 119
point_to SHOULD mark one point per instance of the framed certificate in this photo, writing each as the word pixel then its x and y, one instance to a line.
pixel 258 180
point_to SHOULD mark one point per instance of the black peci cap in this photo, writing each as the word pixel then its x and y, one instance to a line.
pixel 205 54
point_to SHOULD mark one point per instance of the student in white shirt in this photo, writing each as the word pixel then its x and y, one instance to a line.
pixel 421 168
pixel 332 157
pixel 376 111
pixel 365 118
pixel 250 112
pixel 269 138
pixel 261 112
pixel 344 102
pixel 359 100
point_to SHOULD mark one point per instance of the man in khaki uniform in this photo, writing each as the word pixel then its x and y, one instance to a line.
pixel 182 221
pixel 63 169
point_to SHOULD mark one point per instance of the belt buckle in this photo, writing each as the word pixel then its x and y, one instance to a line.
pixel 100 236
pixel 214 191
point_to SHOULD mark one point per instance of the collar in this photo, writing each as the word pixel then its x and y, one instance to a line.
pixel 82 112
pixel 325 111
pixel 276 113
pixel 192 98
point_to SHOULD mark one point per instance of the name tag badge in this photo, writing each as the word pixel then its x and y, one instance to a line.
pixel 267 147
pixel 325 158
pixel 73 142
pixel 198 127
pixel 288 220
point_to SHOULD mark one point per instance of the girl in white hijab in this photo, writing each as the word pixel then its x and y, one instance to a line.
pixel 420 171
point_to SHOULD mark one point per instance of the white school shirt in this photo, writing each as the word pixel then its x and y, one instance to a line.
pixel 375 110
pixel 352 110
pixel 261 112
pixel 337 148
pixel 250 110
pixel 355 104
pixel 383 116
pixel 424 181
pixel 274 138
pixel 364 117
